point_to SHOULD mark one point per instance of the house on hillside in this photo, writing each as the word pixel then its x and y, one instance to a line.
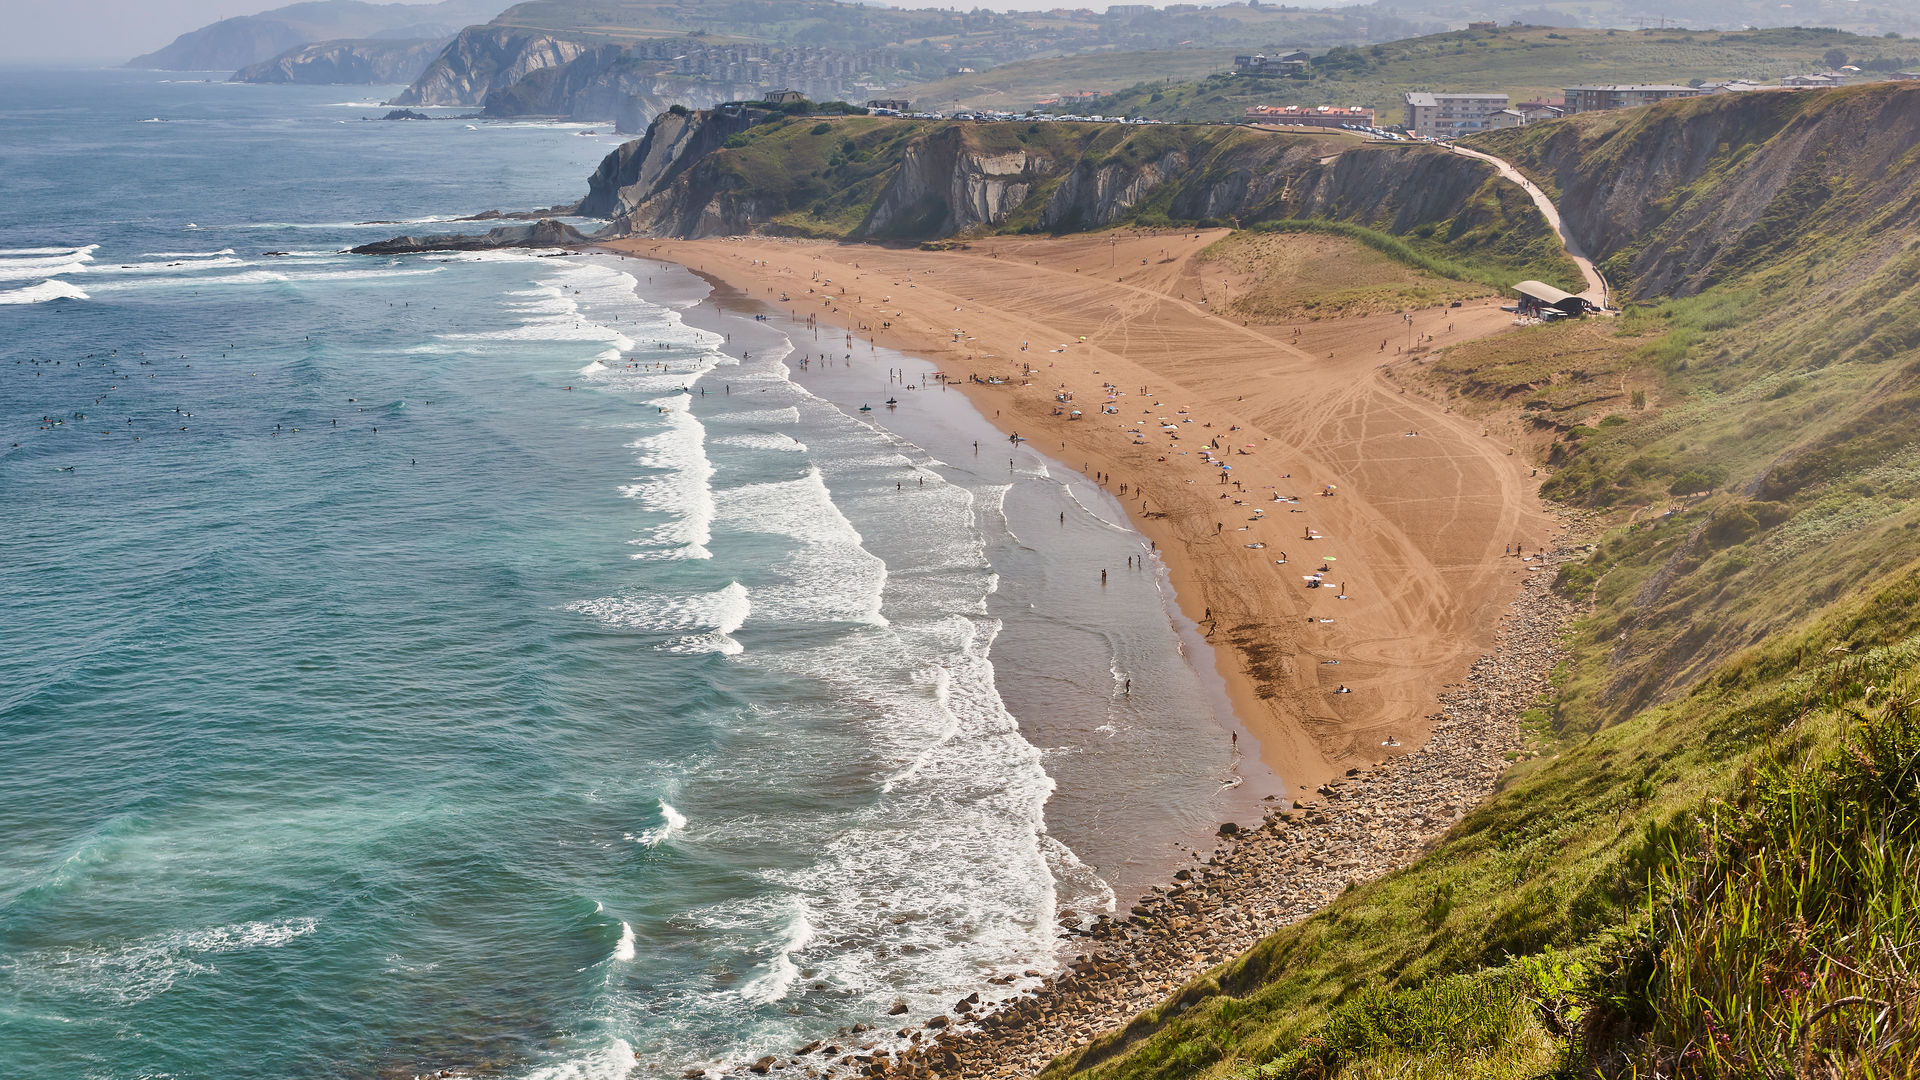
pixel 783 97
pixel 1296 62
pixel 1483 24
pixel 1532 112
pixel 1599 98
pixel 890 104
pixel 1449 116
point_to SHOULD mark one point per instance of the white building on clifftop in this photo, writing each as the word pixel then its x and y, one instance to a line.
pixel 1449 116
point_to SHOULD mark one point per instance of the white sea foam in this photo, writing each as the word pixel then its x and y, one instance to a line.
pixel 781 972
pixel 148 967
pixel 614 1061
pixel 193 265
pixel 788 415
pixel 83 249
pixel 672 823
pixel 715 616
pixel 261 277
pixel 763 440
pixel 623 950
pixel 828 576
pixel 682 489
pixel 189 254
pixel 43 292
pixel 44 267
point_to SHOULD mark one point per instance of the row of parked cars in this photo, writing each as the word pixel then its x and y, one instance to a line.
pixel 1007 117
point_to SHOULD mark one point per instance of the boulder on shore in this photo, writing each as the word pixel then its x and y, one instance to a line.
pixel 544 233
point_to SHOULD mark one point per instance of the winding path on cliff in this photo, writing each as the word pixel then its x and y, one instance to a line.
pixel 1596 285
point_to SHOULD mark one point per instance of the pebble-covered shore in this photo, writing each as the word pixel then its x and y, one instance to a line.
pixel 1261 878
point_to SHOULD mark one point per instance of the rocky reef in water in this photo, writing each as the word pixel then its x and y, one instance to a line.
pixel 544 233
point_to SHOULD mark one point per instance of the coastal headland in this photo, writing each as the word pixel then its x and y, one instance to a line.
pixel 1353 560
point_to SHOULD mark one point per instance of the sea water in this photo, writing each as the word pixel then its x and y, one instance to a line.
pixel 481 662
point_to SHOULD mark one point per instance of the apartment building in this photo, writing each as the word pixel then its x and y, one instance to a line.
pixel 1596 98
pixel 1449 116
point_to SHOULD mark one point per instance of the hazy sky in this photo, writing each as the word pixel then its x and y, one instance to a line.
pixel 111 30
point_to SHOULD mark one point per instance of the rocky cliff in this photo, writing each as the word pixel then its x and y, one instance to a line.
pixel 606 83
pixel 364 62
pixel 629 179
pixel 1673 198
pixel 482 59
pixel 711 174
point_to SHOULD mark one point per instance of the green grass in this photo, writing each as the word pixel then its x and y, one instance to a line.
pixel 1711 870
pixel 1422 252
pixel 1524 62
pixel 1567 934
pixel 822 177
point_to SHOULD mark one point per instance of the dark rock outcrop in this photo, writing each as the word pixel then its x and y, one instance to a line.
pixel 608 83
pixel 482 59
pixel 638 170
pixel 406 114
pixel 544 233
pixel 363 62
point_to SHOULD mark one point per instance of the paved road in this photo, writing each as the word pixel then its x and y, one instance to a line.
pixel 1596 285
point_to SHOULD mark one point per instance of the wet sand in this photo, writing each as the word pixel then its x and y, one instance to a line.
pixel 1424 503
pixel 1106 679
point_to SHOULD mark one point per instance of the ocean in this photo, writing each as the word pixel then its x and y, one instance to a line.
pixel 514 665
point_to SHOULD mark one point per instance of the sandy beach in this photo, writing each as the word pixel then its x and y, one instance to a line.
pixel 1404 510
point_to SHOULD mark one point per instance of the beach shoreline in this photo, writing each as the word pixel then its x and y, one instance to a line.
pixel 1310 407
pixel 1161 846
pixel 1352 816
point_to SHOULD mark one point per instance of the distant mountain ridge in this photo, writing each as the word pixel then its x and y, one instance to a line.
pixel 235 43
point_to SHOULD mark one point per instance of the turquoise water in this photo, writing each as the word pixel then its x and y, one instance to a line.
pixel 485 664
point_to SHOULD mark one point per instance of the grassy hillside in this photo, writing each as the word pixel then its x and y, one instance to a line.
pixel 822 177
pixel 947 38
pixel 1019 85
pixel 1524 62
pixel 1870 17
pixel 1710 871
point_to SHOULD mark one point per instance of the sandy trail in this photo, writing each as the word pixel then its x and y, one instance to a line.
pixel 1596 285
pixel 1415 530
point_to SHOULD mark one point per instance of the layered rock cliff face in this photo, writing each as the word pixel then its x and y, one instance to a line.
pixel 1672 198
pixel 364 62
pixel 629 179
pixel 605 83
pixel 943 186
pixel 695 176
pixel 482 59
